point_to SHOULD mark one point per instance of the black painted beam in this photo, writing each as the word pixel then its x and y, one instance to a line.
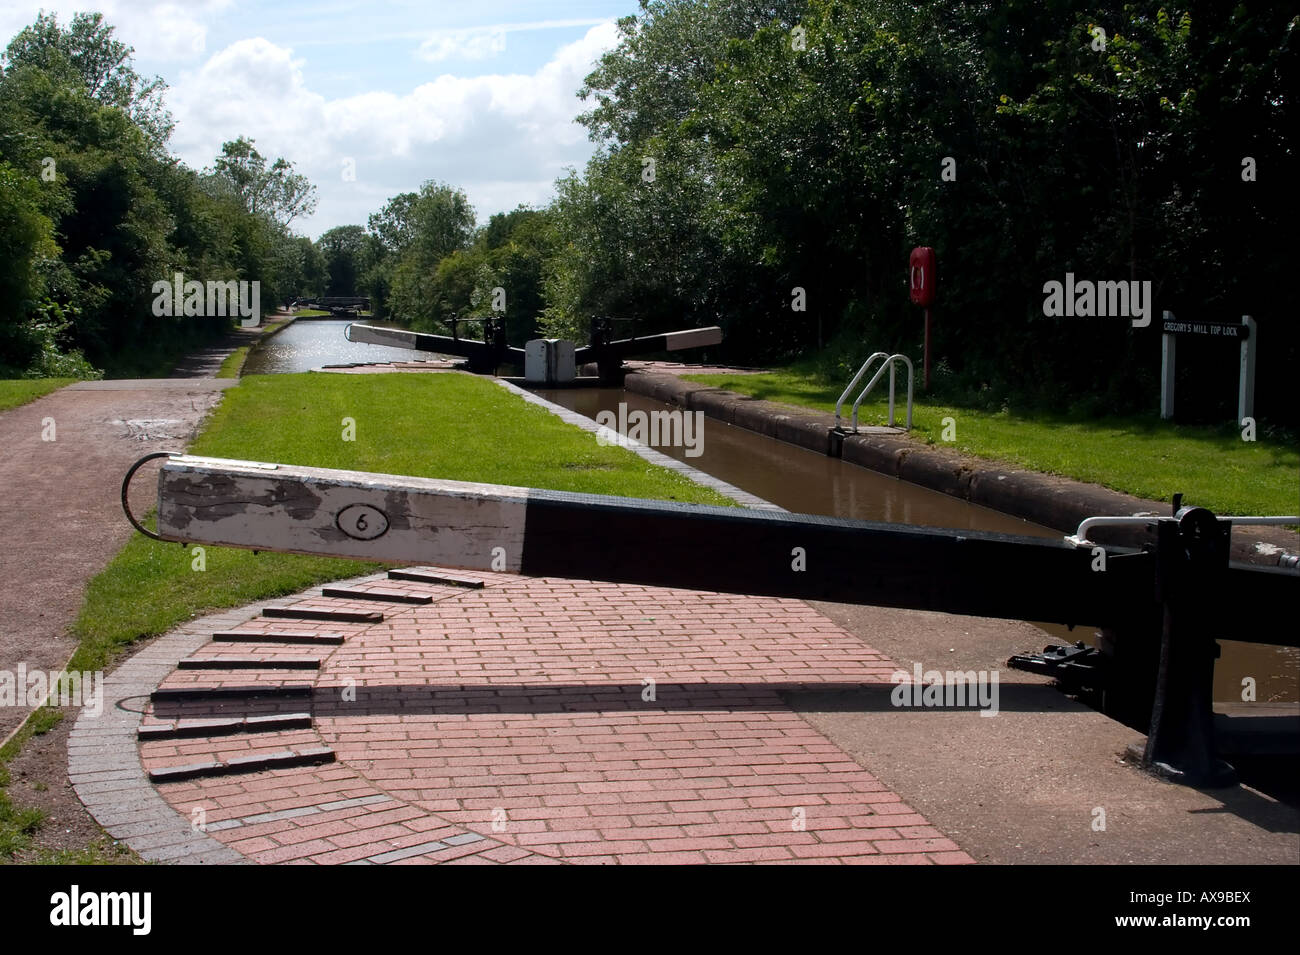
pixel 478 352
pixel 649 344
pixel 548 533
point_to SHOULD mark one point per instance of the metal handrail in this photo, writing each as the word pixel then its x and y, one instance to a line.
pixel 1080 537
pixel 853 384
pixel 889 363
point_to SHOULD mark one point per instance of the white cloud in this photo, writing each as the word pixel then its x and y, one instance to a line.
pixel 463 45
pixel 503 138
pixel 173 31
pixel 251 87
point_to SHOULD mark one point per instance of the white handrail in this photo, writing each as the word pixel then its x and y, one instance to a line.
pixel 1080 537
pixel 889 363
pixel 853 384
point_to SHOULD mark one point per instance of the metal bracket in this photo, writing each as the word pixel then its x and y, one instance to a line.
pixel 1078 665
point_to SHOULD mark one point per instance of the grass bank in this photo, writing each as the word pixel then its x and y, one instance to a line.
pixel 1139 455
pixel 439 425
pixel 234 362
pixel 20 391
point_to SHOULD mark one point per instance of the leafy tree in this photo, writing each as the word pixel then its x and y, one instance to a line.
pixel 26 235
pixel 314 275
pixel 394 225
pixel 96 212
pixel 433 225
pixel 805 144
pixel 641 235
pixel 508 254
pixel 274 191
pixel 87 51
pixel 343 251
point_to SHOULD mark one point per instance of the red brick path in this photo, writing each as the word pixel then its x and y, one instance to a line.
pixel 519 724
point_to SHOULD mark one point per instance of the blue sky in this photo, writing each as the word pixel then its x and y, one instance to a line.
pixel 370 100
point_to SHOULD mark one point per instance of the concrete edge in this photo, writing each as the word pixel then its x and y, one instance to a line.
pixel 647 453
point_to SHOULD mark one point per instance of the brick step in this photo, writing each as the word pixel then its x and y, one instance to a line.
pixel 173 693
pixel 428 577
pixel 337 616
pixel 314 639
pixel 289 758
pixel 249 663
pixel 392 596
pixel 201 728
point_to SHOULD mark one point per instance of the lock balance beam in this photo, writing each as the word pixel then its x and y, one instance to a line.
pixel 624 540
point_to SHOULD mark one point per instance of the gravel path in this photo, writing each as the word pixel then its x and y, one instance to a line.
pixel 60 517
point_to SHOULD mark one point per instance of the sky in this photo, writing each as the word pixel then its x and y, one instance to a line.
pixel 371 100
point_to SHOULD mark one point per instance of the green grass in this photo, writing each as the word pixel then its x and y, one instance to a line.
pixel 451 426
pixel 18 824
pixel 230 368
pixel 151 587
pixel 19 391
pixel 1138 455
pixel 458 427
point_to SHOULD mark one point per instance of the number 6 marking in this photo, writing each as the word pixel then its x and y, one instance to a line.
pixel 362 522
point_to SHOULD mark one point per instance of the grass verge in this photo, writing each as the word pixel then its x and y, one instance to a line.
pixel 233 363
pixel 18 824
pixel 20 391
pixel 1138 455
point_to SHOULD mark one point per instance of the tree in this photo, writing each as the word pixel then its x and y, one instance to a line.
pixel 650 82
pixel 644 233
pixel 394 225
pixel 86 50
pixel 274 191
pixel 343 251
pixel 314 275
pixel 95 212
pixel 508 254
pixel 26 235
pixel 433 225
pixel 748 149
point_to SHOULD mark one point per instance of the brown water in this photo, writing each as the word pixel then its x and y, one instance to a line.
pixel 806 482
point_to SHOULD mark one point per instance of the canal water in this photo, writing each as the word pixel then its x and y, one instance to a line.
pixel 799 480
pixel 806 482
pixel 312 342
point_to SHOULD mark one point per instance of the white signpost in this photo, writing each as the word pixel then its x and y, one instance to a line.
pixel 1245 333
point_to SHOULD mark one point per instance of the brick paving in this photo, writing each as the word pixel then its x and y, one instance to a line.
pixel 534 721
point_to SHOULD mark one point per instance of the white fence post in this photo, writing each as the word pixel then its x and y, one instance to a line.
pixel 1246 381
pixel 1167 357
